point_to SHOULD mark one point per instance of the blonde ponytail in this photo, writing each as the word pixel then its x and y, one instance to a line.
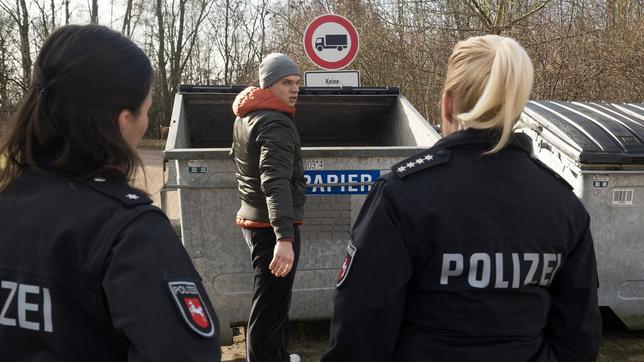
pixel 489 79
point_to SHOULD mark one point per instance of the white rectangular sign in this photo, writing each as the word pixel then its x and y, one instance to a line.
pixel 344 78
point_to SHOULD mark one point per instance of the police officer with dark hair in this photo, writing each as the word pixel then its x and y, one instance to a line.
pixel 472 250
pixel 89 270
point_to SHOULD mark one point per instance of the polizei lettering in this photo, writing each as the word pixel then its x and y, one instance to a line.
pixel 184 289
pixel 25 306
pixel 500 270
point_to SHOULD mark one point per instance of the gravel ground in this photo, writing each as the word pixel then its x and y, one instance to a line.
pixel 310 339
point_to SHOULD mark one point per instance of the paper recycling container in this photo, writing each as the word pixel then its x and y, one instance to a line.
pixel 350 136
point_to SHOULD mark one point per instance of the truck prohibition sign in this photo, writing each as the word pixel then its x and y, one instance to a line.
pixel 331 41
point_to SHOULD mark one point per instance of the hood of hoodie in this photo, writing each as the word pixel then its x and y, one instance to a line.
pixel 254 98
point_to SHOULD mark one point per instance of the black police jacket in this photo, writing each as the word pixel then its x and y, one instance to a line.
pixel 459 256
pixel 89 271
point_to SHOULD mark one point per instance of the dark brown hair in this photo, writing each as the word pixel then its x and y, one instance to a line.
pixel 83 78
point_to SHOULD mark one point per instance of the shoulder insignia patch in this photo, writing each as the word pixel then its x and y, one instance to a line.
pixel 553 172
pixel 346 264
pixel 421 161
pixel 127 195
pixel 192 307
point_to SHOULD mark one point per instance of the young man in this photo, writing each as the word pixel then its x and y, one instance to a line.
pixel 266 150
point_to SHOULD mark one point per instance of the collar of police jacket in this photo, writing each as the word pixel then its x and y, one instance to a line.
pixel 485 139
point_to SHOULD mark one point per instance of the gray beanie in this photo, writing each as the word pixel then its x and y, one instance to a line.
pixel 274 67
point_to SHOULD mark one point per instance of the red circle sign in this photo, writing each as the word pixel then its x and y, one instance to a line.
pixel 331 42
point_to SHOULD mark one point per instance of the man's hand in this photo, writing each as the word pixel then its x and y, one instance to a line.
pixel 283 256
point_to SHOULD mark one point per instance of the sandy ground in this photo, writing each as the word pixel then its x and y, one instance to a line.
pixel 153 180
pixel 310 339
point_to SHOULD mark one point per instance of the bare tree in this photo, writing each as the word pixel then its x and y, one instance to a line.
pixel 498 16
pixel 178 29
pixel 163 95
pixel 67 13
pixel 581 49
pixel 46 23
pixel 134 10
pixel 52 7
pixel 94 12
pixel 5 65
pixel 126 29
pixel 236 34
pixel 20 16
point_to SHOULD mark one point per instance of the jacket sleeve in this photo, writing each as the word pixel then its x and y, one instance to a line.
pixel 146 256
pixel 370 300
pixel 574 322
pixel 277 146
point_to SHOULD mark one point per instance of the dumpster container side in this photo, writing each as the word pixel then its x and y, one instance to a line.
pixel 343 120
pixel 178 133
pixel 598 148
pixel 349 137
pixel 210 120
pixel 409 127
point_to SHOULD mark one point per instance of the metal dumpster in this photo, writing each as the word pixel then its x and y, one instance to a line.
pixel 599 149
pixel 349 136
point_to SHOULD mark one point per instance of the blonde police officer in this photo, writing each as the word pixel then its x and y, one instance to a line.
pixel 472 250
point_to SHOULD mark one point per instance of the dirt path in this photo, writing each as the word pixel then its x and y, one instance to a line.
pixel 310 340
pixel 153 181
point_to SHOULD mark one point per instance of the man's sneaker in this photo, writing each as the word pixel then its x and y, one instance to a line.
pixel 294 358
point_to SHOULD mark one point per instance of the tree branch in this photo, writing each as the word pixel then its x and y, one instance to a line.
pixel 474 5
pixel 526 15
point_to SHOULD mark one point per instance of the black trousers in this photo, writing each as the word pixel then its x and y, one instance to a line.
pixel 268 327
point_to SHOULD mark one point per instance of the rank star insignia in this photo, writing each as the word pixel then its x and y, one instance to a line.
pixel 132 196
pixel 422 161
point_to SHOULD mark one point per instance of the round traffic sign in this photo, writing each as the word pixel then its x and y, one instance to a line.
pixel 331 42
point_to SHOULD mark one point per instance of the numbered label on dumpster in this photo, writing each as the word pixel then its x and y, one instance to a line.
pixel 331 182
pixel 197 166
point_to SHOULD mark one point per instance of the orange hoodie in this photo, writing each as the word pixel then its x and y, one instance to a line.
pixel 253 98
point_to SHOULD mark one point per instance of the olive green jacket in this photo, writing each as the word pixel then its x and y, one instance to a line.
pixel 270 175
